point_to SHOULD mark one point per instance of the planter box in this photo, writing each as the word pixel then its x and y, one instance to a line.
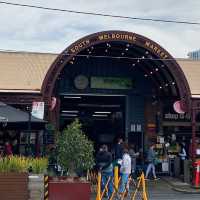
pixel 14 186
pixel 64 190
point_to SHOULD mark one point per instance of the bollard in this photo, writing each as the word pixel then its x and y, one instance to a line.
pixel 46 187
pixel 116 177
pixel 98 197
pixel 196 180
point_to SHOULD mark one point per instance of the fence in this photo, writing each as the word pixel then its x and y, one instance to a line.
pixel 134 189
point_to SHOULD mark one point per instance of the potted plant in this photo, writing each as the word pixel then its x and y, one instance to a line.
pixel 75 156
pixel 14 178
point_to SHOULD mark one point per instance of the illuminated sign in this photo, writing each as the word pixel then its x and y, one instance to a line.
pixel 111 83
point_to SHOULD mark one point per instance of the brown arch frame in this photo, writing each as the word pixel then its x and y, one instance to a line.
pixel 128 37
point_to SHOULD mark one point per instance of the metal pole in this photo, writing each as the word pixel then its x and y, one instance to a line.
pixel 29 130
pixel 193 133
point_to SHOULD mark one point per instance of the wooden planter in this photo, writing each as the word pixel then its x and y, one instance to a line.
pixel 64 190
pixel 14 186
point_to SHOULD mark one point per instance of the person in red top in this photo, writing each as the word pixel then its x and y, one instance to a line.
pixel 8 149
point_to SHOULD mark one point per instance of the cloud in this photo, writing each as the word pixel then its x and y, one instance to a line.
pixel 47 31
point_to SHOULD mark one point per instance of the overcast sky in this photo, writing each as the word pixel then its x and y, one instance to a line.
pixel 47 31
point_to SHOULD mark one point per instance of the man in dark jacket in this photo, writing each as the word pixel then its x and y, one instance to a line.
pixel 119 151
pixel 104 164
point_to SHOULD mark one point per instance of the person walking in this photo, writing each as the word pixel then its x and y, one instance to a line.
pixel 151 158
pixel 133 154
pixel 119 151
pixel 104 164
pixel 125 170
pixel 183 156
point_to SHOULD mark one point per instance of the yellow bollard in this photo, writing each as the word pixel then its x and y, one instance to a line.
pixel 98 197
pixel 116 177
pixel 144 187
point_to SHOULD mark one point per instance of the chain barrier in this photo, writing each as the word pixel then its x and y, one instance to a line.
pixel 134 189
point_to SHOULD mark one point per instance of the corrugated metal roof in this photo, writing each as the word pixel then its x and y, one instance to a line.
pixel 25 71
pixel 22 71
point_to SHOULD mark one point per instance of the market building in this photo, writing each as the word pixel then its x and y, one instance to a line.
pixel 119 84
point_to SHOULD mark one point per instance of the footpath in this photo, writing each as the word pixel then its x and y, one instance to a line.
pixel 180 186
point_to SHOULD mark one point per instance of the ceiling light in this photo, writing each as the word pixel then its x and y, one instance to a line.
pixel 166 84
pixel 156 69
pixel 99 115
pixel 173 83
pixel 70 111
pixel 151 72
pixel 146 52
pixel 126 49
pixel 128 45
pixel 72 97
pixel 69 115
pixel 122 53
pixel 145 75
pixel 102 112
pixel 138 60
pixel 160 87
pixel 133 64
pixel 106 50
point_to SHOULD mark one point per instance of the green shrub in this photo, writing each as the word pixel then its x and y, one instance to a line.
pixel 74 150
pixel 23 164
pixel 38 165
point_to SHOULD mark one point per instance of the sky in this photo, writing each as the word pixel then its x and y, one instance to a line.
pixel 28 29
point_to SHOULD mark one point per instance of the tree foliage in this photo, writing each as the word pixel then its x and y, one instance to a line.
pixel 75 150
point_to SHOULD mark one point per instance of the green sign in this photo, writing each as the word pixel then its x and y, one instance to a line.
pixel 111 83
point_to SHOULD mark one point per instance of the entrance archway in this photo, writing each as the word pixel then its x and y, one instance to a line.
pixel 132 52
pixel 157 63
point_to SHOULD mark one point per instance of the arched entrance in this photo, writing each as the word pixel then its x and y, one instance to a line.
pixel 116 56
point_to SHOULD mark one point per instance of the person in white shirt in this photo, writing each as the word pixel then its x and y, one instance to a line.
pixel 125 170
pixel 183 156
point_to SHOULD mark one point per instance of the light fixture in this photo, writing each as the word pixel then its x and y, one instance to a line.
pixel 96 115
pixel 69 115
pixel 143 57
pixel 160 87
pixel 133 64
pixel 72 97
pixel 146 52
pixel 166 84
pixel 151 72
pixel 128 45
pixel 162 65
pixel 126 49
pixel 145 75
pixel 70 111
pixel 122 53
pixel 156 69
pixel 173 83
pixel 106 50
pixel 138 60
pixel 102 112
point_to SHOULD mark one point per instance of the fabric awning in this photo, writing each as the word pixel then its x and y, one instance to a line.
pixel 9 114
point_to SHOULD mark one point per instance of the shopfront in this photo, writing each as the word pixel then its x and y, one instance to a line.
pixel 117 83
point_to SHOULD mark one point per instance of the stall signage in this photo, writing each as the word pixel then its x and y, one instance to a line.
pixel 115 36
pixel 38 110
pixel 111 83
pixel 177 117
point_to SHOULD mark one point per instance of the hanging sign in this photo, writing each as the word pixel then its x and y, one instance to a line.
pixel 53 103
pixel 38 110
pixel 177 107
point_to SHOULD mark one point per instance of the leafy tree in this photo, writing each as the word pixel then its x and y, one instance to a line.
pixel 75 151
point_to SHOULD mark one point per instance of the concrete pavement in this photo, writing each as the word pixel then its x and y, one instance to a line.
pixel 164 190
